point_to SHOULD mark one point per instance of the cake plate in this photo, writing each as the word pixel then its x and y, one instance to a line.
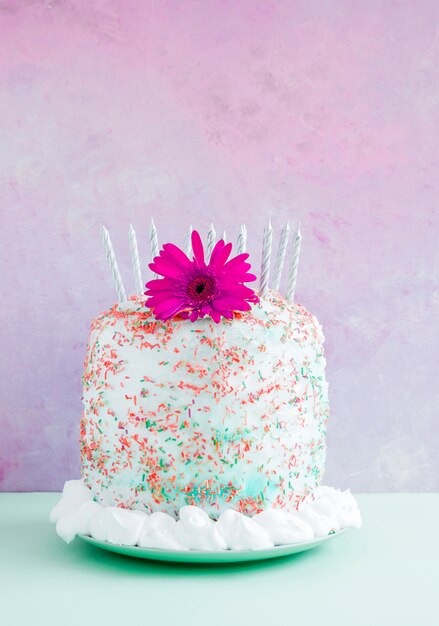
pixel 217 556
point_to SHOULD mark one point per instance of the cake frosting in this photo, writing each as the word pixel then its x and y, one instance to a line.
pixel 218 416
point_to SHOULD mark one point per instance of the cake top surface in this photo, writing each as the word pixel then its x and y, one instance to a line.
pixel 272 312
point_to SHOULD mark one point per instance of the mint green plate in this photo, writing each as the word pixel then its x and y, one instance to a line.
pixel 221 556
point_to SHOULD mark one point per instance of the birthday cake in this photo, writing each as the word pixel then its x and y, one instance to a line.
pixel 205 408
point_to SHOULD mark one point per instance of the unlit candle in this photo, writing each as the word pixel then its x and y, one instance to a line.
pixel 112 264
pixel 294 263
pixel 280 258
pixel 266 258
pixel 242 239
pixel 135 261
pixel 211 237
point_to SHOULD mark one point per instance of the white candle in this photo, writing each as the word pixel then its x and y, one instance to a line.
pixel 112 263
pixel 153 240
pixel 266 257
pixel 211 237
pixel 188 242
pixel 136 261
pixel 294 263
pixel 280 258
pixel 242 239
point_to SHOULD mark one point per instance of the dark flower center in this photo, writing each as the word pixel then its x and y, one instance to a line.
pixel 202 289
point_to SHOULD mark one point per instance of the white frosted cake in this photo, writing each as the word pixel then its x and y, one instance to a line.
pixel 205 412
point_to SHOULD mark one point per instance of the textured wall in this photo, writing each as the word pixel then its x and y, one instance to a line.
pixel 327 112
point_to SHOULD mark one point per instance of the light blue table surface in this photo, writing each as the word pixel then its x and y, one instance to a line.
pixel 385 573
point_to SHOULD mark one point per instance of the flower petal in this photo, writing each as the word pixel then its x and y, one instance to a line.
pixel 240 258
pixel 169 308
pixel 193 315
pixel 219 256
pixel 197 247
pixel 180 258
pixel 162 284
pixel 236 291
pixel 168 303
pixel 154 301
pixel 237 278
pixel 216 316
pixel 169 257
pixel 230 304
pixel 166 269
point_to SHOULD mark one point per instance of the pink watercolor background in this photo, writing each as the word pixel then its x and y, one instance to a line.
pixel 323 112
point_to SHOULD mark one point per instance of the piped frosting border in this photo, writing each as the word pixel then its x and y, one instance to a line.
pixel 327 512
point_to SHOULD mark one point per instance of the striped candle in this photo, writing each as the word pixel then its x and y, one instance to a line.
pixel 280 258
pixel 112 264
pixel 294 263
pixel 211 238
pixel 153 240
pixel 136 261
pixel 242 239
pixel 266 258
pixel 188 242
pixel 153 243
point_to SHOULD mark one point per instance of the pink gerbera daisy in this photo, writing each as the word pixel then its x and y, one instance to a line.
pixel 193 289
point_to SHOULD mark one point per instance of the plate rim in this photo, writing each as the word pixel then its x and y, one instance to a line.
pixel 210 556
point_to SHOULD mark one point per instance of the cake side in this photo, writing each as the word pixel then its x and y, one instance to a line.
pixel 228 415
